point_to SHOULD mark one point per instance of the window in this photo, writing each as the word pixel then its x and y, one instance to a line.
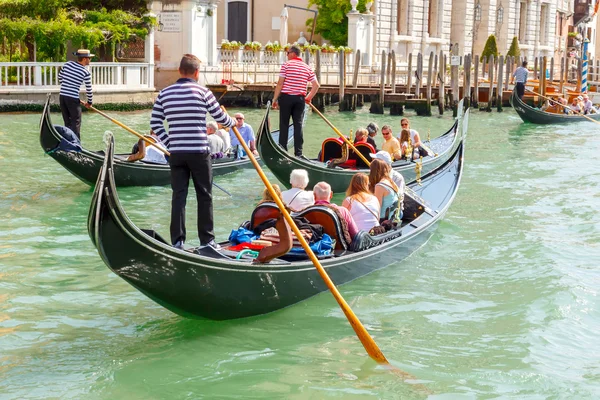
pixel 523 22
pixel 237 21
pixel 402 17
pixel 544 24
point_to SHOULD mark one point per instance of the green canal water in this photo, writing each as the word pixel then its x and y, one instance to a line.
pixel 502 302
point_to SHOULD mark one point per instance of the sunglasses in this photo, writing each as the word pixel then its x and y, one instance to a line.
pixel 403 124
pixel 385 133
pixel 239 118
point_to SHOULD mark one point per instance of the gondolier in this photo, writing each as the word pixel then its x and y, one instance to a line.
pixel 290 96
pixel 520 75
pixel 71 76
pixel 184 105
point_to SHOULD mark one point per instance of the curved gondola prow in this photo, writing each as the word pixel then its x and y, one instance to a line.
pixel 96 206
pixel 49 138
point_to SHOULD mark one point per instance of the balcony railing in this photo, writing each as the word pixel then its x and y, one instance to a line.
pixel 44 75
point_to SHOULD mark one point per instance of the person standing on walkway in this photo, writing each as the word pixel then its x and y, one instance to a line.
pixel 71 76
pixel 520 75
pixel 184 105
pixel 290 96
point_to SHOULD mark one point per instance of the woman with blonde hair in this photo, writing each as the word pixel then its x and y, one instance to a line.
pixel 266 195
pixel 404 142
pixel 385 190
pixel 363 205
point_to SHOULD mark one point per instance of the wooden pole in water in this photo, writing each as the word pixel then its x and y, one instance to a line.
pixel 491 87
pixel 562 74
pixel 419 75
pixel 393 57
pixel 579 72
pixel 454 82
pixel 435 70
pixel 409 75
pixel 442 78
pixel 342 80
pixel 319 99
pixel 543 79
pixel 535 68
pixel 356 68
pixel 499 88
pixel 377 104
pixel 551 70
pixel 484 60
pixel 476 82
pixel 508 69
pixel 388 69
pixel 467 90
pixel 429 76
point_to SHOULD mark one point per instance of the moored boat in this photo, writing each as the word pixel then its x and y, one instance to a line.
pixel 86 164
pixel 281 163
pixel 205 283
pixel 536 116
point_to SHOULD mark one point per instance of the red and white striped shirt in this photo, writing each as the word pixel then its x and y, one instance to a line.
pixel 297 75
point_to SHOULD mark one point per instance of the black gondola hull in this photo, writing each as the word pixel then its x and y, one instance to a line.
pixel 535 116
pixel 197 286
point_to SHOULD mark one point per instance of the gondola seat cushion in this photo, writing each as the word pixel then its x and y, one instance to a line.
pixel 331 148
pixel 263 212
pixel 330 222
pixel 366 149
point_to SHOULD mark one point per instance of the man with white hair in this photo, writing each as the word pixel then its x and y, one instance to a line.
pixel 217 147
pixel 247 134
pixel 297 198
pixel 323 194
pixel 588 107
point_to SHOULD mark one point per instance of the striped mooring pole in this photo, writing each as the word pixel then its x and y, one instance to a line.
pixel 584 69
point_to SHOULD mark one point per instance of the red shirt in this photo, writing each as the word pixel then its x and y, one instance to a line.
pixel 297 75
pixel 352 228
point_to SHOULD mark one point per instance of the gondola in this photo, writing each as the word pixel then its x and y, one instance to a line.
pixel 210 284
pixel 281 163
pixel 535 116
pixel 86 164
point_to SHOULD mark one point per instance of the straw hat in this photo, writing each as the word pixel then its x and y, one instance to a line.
pixel 83 53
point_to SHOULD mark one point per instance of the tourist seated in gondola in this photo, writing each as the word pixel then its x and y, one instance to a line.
pixel 247 133
pixel 323 194
pixel 396 176
pixel 142 151
pixel 372 128
pixel 297 198
pixel 362 204
pixel 415 138
pixel 363 146
pixel 386 191
pixel 224 135
pixel 577 105
pixel 266 195
pixel 564 105
pixel 391 144
pixel 215 143
pixel 588 107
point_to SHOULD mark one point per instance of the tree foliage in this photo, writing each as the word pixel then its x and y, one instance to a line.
pixel 332 22
pixel 53 23
pixel 490 48
pixel 514 50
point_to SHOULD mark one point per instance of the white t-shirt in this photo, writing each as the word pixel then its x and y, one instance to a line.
pixel 365 213
pixel 216 144
pixel 224 135
pixel 154 155
pixel 298 199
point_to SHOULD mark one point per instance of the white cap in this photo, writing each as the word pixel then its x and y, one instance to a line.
pixel 382 155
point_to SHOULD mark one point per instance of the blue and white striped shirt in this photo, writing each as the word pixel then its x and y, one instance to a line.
pixel 184 105
pixel 71 76
pixel 521 75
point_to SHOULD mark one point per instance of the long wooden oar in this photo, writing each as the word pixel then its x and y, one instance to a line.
pixel 128 129
pixel 364 337
pixel 579 113
pixel 315 109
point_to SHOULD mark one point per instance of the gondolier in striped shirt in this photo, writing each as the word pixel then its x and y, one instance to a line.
pixel 184 105
pixel 290 96
pixel 520 75
pixel 71 76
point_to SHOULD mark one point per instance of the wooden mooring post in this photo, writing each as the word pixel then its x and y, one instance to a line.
pixel 394 71
pixel 500 86
pixel 319 100
pixel 419 75
pixel 467 81
pixel 454 81
pixel 476 82
pixel 543 81
pixel 427 110
pixel 491 65
pixel 377 101
pixel 409 75
pixel 442 80
pixel 561 80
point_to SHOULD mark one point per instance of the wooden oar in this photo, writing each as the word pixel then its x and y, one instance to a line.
pixel 579 113
pixel 340 134
pixel 128 129
pixel 364 337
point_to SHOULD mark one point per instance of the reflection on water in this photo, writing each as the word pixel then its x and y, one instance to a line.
pixel 501 302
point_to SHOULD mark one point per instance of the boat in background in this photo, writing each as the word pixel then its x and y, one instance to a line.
pixel 536 116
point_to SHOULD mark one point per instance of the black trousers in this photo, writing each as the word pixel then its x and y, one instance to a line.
pixel 520 89
pixel 71 112
pixel 291 105
pixel 197 166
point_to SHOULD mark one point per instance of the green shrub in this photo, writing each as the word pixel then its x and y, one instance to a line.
pixel 514 50
pixel 490 49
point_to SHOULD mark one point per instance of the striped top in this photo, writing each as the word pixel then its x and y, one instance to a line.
pixel 297 75
pixel 184 105
pixel 71 76
pixel 521 75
